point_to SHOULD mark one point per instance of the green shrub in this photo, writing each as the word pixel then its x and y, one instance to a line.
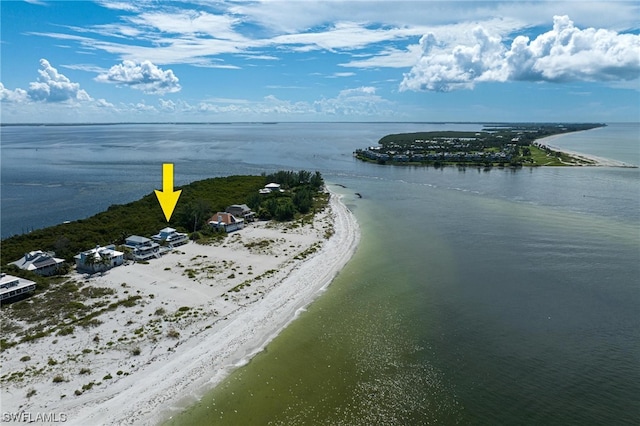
pixel 65 331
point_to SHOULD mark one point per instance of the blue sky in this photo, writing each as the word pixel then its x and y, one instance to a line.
pixel 113 61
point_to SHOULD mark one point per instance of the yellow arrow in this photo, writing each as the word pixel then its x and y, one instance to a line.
pixel 168 198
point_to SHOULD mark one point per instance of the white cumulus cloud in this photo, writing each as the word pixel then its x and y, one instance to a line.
pixel 54 87
pixel 566 53
pixel 8 95
pixel 143 76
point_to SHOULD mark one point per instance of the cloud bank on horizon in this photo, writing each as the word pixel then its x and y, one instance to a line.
pixel 565 53
pixel 320 61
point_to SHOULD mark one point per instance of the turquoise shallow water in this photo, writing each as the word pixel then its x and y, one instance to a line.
pixel 499 297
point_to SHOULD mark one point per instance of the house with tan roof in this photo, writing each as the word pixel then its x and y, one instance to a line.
pixel 226 222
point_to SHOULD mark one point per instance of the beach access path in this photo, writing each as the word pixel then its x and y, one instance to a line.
pixel 196 321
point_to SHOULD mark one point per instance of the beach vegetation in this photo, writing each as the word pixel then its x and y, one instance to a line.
pixel 31 392
pixel 25 358
pixel 65 331
pixel 173 333
pixel 136 351
pixel 58 379
pixel 85 370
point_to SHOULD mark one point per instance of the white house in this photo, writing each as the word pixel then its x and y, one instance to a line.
pixel 226 221
pixel 12 287
pixel 171 236
pixel 40 262
pixel 99 259
pixel 270 187
pixel 142 248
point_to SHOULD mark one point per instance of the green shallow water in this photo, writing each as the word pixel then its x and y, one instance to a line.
pixel 456 309
pixel 352 358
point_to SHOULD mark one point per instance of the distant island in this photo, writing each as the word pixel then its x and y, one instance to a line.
pixel 502 145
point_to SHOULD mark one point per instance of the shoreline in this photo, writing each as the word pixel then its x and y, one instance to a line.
pixel 222 320
pixel 597 161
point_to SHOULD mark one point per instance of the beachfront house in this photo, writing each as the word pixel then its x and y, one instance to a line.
pixel 241 210
pixel 142 248
pixel 13 287
pixel 226 222
pixel 171 237
pixel 99 259
pixel 40 262
pixel 271 187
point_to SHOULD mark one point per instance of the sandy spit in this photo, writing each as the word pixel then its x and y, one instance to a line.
pixel 195 323
pixel 597 161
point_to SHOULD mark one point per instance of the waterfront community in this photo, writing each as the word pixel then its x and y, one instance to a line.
pixel 513 145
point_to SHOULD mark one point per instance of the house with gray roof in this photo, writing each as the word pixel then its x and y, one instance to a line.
pixel 40 262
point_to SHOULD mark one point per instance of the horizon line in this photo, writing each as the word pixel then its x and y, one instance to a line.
pixel 485 122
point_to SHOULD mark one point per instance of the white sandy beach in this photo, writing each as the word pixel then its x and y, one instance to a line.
pixel 219 329
pixel 597 161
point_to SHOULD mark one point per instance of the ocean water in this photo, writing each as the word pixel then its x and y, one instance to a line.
pixel 475 297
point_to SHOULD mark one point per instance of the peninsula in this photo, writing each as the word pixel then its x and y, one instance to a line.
pixel 512 145
pixel 134 342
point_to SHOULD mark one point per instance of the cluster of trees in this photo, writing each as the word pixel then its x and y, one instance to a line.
pixel 290 180
pixel 143 217
pixel 198 202
pixel 495 136
pixel 298 197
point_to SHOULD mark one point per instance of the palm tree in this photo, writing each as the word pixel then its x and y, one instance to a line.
pixel 104 262
pixel 89 260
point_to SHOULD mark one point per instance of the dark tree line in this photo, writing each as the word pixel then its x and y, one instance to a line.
pixel 297 198
pixel 198 202
pixel 290 179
